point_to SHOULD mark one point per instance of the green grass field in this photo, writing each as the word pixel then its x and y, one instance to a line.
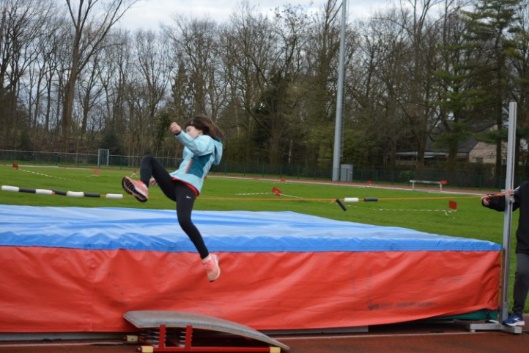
pixel 420 210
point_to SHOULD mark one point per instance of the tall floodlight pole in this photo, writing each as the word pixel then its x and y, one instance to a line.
pixel 339 101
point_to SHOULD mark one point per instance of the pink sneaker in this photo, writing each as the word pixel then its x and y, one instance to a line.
pixel 211 264
pixel 136 188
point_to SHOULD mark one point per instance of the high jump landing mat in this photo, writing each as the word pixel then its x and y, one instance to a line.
pixel 71 269
pixel 173 331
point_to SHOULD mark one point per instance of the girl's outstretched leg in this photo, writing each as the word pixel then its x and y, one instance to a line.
pixel 150 167
pixel 185 198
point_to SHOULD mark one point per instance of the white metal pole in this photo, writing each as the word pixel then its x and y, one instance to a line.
pixel 507 219
pixel 339 101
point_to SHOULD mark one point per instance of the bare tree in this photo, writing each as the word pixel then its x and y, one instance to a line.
pixel 321 51
pixel 90 91
pixel 116 68
pixel 287 85
pixel 43 73
pixel 21 29
pixel 153 67
pixel 377 85
pixel 249 43
pixel 201 83
pixel 92 21
pixel 416 19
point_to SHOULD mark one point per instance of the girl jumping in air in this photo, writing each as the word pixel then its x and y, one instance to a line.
pixel 202 149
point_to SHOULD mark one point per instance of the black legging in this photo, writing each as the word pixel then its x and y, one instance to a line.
pixel 183 195
pixel 521 283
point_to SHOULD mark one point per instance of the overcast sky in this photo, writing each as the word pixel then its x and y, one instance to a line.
pixel 149 14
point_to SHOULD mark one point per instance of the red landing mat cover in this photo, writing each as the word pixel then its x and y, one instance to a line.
pixel 71 289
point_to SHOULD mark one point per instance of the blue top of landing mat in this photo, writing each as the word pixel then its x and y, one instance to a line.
pixel 231 231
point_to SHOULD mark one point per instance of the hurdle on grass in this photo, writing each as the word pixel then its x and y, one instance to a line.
pixel 10 188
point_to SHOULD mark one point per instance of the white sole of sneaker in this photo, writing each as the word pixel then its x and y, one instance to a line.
pixel 516 324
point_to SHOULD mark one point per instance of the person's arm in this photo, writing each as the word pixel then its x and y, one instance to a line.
pixel 494 201
pixel 200 146
pixel 497 201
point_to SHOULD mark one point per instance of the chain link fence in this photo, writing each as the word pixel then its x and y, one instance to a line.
pixel 354 175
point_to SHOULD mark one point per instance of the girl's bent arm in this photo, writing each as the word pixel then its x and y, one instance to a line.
pixel 200 146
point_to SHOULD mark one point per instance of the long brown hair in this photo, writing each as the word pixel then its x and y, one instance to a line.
pixel 208 127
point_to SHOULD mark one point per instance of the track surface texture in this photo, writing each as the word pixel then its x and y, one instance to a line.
pixel 424 337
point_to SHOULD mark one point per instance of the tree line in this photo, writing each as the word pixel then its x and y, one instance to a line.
pixel 419 73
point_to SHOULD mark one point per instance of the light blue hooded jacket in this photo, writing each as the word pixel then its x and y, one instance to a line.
pixel 199 155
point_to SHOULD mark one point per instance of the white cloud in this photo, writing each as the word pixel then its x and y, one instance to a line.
pixel 149 14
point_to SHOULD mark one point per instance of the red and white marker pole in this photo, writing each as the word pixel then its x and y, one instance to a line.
pixel 61 193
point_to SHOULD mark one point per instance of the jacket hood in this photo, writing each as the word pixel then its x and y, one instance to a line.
pixel 218 151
